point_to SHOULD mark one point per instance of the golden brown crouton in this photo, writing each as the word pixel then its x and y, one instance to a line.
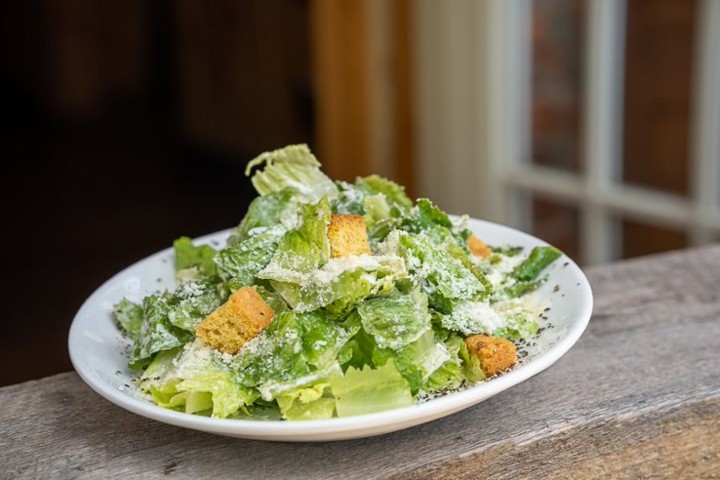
pixel 234 323
pixel 347 235
pixel 496 354
pixel 477 247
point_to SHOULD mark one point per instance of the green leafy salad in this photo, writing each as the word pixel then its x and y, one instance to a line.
pixel 330 299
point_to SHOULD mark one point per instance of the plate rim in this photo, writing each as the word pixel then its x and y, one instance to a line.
pixel 335 428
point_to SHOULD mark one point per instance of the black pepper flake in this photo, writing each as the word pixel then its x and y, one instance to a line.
pixel 547 309
pixel 158 280
pixel 126 385
pixel 556 288
pixel 118 372
pixel 566 264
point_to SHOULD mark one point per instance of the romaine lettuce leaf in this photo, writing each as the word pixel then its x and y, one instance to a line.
pixel 195 380
pixel 293 166
pixel 188 255
pixel 244 259
pixel 383 203
pixel 379 218
pixel 393 192
pixel 471 363
pixel 395 320
pixel 307 403
pixel 130 317
pixel 417 361
pixel 302 250
pixel 305 398
pixel 350 199
pixel 274 355
pixel 342 283
pixel 438 270
pixel 539 258
pixel 520 317
pixel 292 347
pixel 322 338
pixel 267 211
pixel 370 390
pixel 191 302
pixel 426 216
pixel 459 368
pixel 444 238
pixel 157 333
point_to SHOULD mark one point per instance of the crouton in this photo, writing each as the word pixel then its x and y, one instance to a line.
pixel 477 247
pixel 347 235
pixel 234 323
pixel 496 354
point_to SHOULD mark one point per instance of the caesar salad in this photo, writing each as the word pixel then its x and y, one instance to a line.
pixel 332 299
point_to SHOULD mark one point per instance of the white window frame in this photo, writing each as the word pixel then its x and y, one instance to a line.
pixel 473 125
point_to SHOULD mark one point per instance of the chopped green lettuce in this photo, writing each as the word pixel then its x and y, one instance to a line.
pixel 393 192
pixel 460 367
pixel 350 200
pixel 539 258
pixel 274 355
pixel 306 398
pixel 370 390
pixel 129 316
pixel 242 261
pixel 195 380
pixel 519 319
pixel 303 250
pixel 426 216
pixel 417 361
pixel 383 204
pixel 444 277
pixel 342 283
pixel 267 211
pixel 188 255
pixel 293 166
pixel 192 301
pixel 395 320
pixel 156 333
pixel 294 346
pixel 307 403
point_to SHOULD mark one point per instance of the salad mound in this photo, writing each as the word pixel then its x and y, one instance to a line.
pixel 332 299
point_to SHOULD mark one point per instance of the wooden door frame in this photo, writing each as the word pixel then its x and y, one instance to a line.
pixel 362 75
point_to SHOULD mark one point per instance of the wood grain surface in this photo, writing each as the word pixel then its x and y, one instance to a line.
pixel 637 397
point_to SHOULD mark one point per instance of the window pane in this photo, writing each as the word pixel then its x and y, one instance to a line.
pixel 640 238
pixel 557 224
pixel 556 82
pixel 658 79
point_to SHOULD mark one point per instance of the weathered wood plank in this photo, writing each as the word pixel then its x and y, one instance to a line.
pixel 637 397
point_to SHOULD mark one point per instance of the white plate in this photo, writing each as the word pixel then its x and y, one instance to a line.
pixel 99 353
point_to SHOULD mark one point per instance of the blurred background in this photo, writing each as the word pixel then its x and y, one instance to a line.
pixel 593 124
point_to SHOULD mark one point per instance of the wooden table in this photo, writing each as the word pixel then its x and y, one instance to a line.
pixel 637 397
